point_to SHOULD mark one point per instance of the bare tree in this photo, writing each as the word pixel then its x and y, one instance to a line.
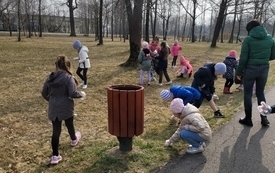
pixel 19 21
pixel 219 22
pixel 100 23
pixel 72 7
pixel 134 20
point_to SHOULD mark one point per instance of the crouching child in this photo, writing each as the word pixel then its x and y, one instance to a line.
pixel 193 128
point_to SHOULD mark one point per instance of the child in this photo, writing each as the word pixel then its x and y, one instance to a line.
pixel 83 60
pixel 193 128
pixel 175 52
pixel 59 90
pixel 163 63
pixel 185 68
pixel 231 64
pixel 154 46
pixel 204 79
pixel 187 93
pixel 144 59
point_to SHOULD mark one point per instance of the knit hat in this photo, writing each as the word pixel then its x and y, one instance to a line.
pixel 166 95
pixel 176 105
pixel 144 45
pixel 77 44
pixel 220 68
pixel 233 53
pixel 252 24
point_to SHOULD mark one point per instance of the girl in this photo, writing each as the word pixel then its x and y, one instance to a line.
pixel 185 68
pixel 59 90
pixel 193 128
pixel 175 52
pixel 162 64
pixel 144 59
pixel 83 60
pixel 231 64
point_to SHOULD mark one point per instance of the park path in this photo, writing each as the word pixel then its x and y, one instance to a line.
pixel 234 148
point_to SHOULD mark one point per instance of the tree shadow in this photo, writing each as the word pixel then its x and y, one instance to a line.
pixel 245 156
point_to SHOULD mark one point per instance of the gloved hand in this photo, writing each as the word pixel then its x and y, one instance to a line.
pixel 264 109
pixel 168 143
pixel 83 95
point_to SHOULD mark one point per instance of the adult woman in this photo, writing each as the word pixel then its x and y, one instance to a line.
pixel 256 52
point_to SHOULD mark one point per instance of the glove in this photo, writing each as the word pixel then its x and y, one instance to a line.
pixel 168 143
pixel 83 94
pixel 264 109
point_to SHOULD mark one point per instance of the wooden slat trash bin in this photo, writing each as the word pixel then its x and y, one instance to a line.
pixel 125 113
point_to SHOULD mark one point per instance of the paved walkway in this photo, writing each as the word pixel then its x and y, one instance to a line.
pixel 234 148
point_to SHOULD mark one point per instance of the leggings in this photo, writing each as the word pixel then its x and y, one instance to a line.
pixel 57 131
pixel 228 83
pixel 174 62
pixel 82 76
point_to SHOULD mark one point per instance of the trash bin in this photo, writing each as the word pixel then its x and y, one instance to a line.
pixel 125 113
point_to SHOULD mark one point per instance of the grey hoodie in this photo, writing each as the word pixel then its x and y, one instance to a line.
pixel 60 89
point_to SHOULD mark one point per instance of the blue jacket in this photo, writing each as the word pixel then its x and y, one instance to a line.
pixel 187 93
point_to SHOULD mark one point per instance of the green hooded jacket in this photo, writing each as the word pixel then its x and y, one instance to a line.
pixel 257 49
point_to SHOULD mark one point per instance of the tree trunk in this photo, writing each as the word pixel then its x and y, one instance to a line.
pixel 148 9
pixel 19 20
pixel 40 19
pixel 100 23
pixel 71 9
pixel 219 23
pixel 134 20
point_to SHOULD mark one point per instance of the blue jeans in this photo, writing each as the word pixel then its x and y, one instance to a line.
pixel 191 137
pixel 258 74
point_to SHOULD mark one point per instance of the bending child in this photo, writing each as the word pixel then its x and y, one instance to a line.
pixel 185 69
pixel 193 128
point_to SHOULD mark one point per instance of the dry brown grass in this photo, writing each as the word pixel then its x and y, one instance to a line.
pixel 25 130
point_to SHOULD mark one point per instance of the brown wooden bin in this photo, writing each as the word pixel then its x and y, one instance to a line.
pixel 125 113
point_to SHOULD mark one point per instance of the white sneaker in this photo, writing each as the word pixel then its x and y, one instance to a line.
pixel 194 150
pixel 55 160
pixel 84 86
pixel 159 84
pixel 168 83
pixel 75 142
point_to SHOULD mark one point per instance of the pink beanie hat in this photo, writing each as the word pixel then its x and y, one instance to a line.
pixel 233 53
pixel 176 105
pixel 144 45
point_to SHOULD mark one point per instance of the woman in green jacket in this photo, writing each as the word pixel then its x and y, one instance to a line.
pixel 256 52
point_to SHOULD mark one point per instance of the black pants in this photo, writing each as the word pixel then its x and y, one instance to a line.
pixel 174 62
pixel 161 72
pixel 57 131
pixel 84 75
pixel 228 83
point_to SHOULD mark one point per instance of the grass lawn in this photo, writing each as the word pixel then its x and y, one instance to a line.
pixel 25 130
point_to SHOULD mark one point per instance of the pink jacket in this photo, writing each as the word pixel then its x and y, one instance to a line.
pixel 154 47
pixel 175 49
pixel 185 63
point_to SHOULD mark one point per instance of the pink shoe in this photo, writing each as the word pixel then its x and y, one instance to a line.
pixel 55 160
pixel 75 142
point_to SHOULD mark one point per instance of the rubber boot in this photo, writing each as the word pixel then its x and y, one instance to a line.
pixel 247 119
pixel 225 90
pixel 264 120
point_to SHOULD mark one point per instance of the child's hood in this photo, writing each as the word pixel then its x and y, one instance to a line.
pixel 57 78
pixel 84 48
pixel 188 109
